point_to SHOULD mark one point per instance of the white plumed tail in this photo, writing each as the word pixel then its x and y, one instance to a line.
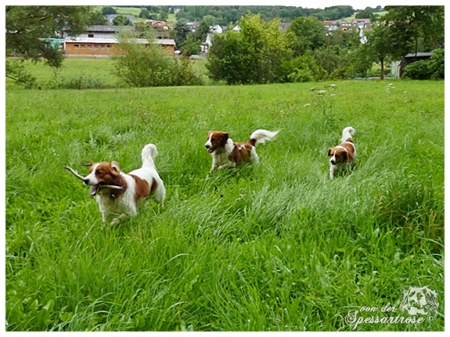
pixel 348 132
pixel 149 153
pixel 262 135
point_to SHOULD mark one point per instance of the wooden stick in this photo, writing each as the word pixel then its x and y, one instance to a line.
pixel 75 173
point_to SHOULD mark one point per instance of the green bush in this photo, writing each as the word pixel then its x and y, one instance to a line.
pixel 303 69
pixel 419 70
pixel 436 66
pixel 150 66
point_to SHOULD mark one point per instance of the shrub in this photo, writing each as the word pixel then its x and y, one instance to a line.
pixel 419 70
pixel 150 66
pixel 303 69
pixel 436 66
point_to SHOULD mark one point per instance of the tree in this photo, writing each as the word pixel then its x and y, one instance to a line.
pixel 415 28
pixel 365 14
pixel 380 45
pixel 256 54
pixel 181 30
pixel 144 14
pixel 360 60
pixel 108 10
pixel 191 46
pixel 121 20
pixel 307 33
pixel 163 16
pixel 29 27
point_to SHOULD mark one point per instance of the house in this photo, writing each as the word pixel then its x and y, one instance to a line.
pixel 214 29
pixel 106 47
pixel 102 31
pixel 101 41
pixel 360 24
pixel 157 24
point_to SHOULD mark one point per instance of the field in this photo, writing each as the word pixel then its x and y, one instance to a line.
pixel 85 71
pixel 271 247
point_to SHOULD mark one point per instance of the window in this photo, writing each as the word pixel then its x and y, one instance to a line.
pixel 90 34
pixel 76 46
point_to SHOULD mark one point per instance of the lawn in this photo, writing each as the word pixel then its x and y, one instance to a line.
pixel 271 247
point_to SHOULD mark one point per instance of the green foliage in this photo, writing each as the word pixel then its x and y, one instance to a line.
pixel 191 46
pixel 269 247
pixel 366 14
pixel 144 14
pixel 307 33
pixel 121 20
pixel 27 25
pixel 415 28
pixel 181 31
pixel 16 71
pixel 108 10
pixel 419 70
pixel 254 55
pixel 437 64
pixel 427 69
pixel 225 14
pixel 149 66
pixel 304 69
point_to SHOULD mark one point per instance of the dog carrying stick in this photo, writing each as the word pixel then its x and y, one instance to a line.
pixel 75 173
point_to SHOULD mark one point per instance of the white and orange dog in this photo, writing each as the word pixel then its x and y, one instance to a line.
pixel 344 154
pixel 226 153
pixel 117 193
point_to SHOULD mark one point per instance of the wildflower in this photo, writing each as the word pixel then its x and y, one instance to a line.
pixel 321 92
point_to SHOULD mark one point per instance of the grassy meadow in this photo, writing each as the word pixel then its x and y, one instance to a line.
pixel 84 73
pixel 271 247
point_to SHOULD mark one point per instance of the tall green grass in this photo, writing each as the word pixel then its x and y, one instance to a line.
pixel 271 247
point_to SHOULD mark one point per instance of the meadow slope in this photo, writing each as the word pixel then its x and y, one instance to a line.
pixel 272 247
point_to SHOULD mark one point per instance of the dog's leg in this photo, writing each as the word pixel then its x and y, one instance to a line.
pixel 333 168
pixel 226 165
pixel 160 193
pixel 116 221
pixel 103 210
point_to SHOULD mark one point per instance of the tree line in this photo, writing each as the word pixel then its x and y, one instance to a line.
pixel 259 52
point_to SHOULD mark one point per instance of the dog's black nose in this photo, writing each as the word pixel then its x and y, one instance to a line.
pixel 207 146
pixel 86 181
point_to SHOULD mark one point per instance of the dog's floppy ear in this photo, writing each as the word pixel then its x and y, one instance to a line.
pixel 115 168
pixel 225 136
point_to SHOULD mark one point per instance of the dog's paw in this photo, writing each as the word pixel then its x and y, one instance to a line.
pixel 115 222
